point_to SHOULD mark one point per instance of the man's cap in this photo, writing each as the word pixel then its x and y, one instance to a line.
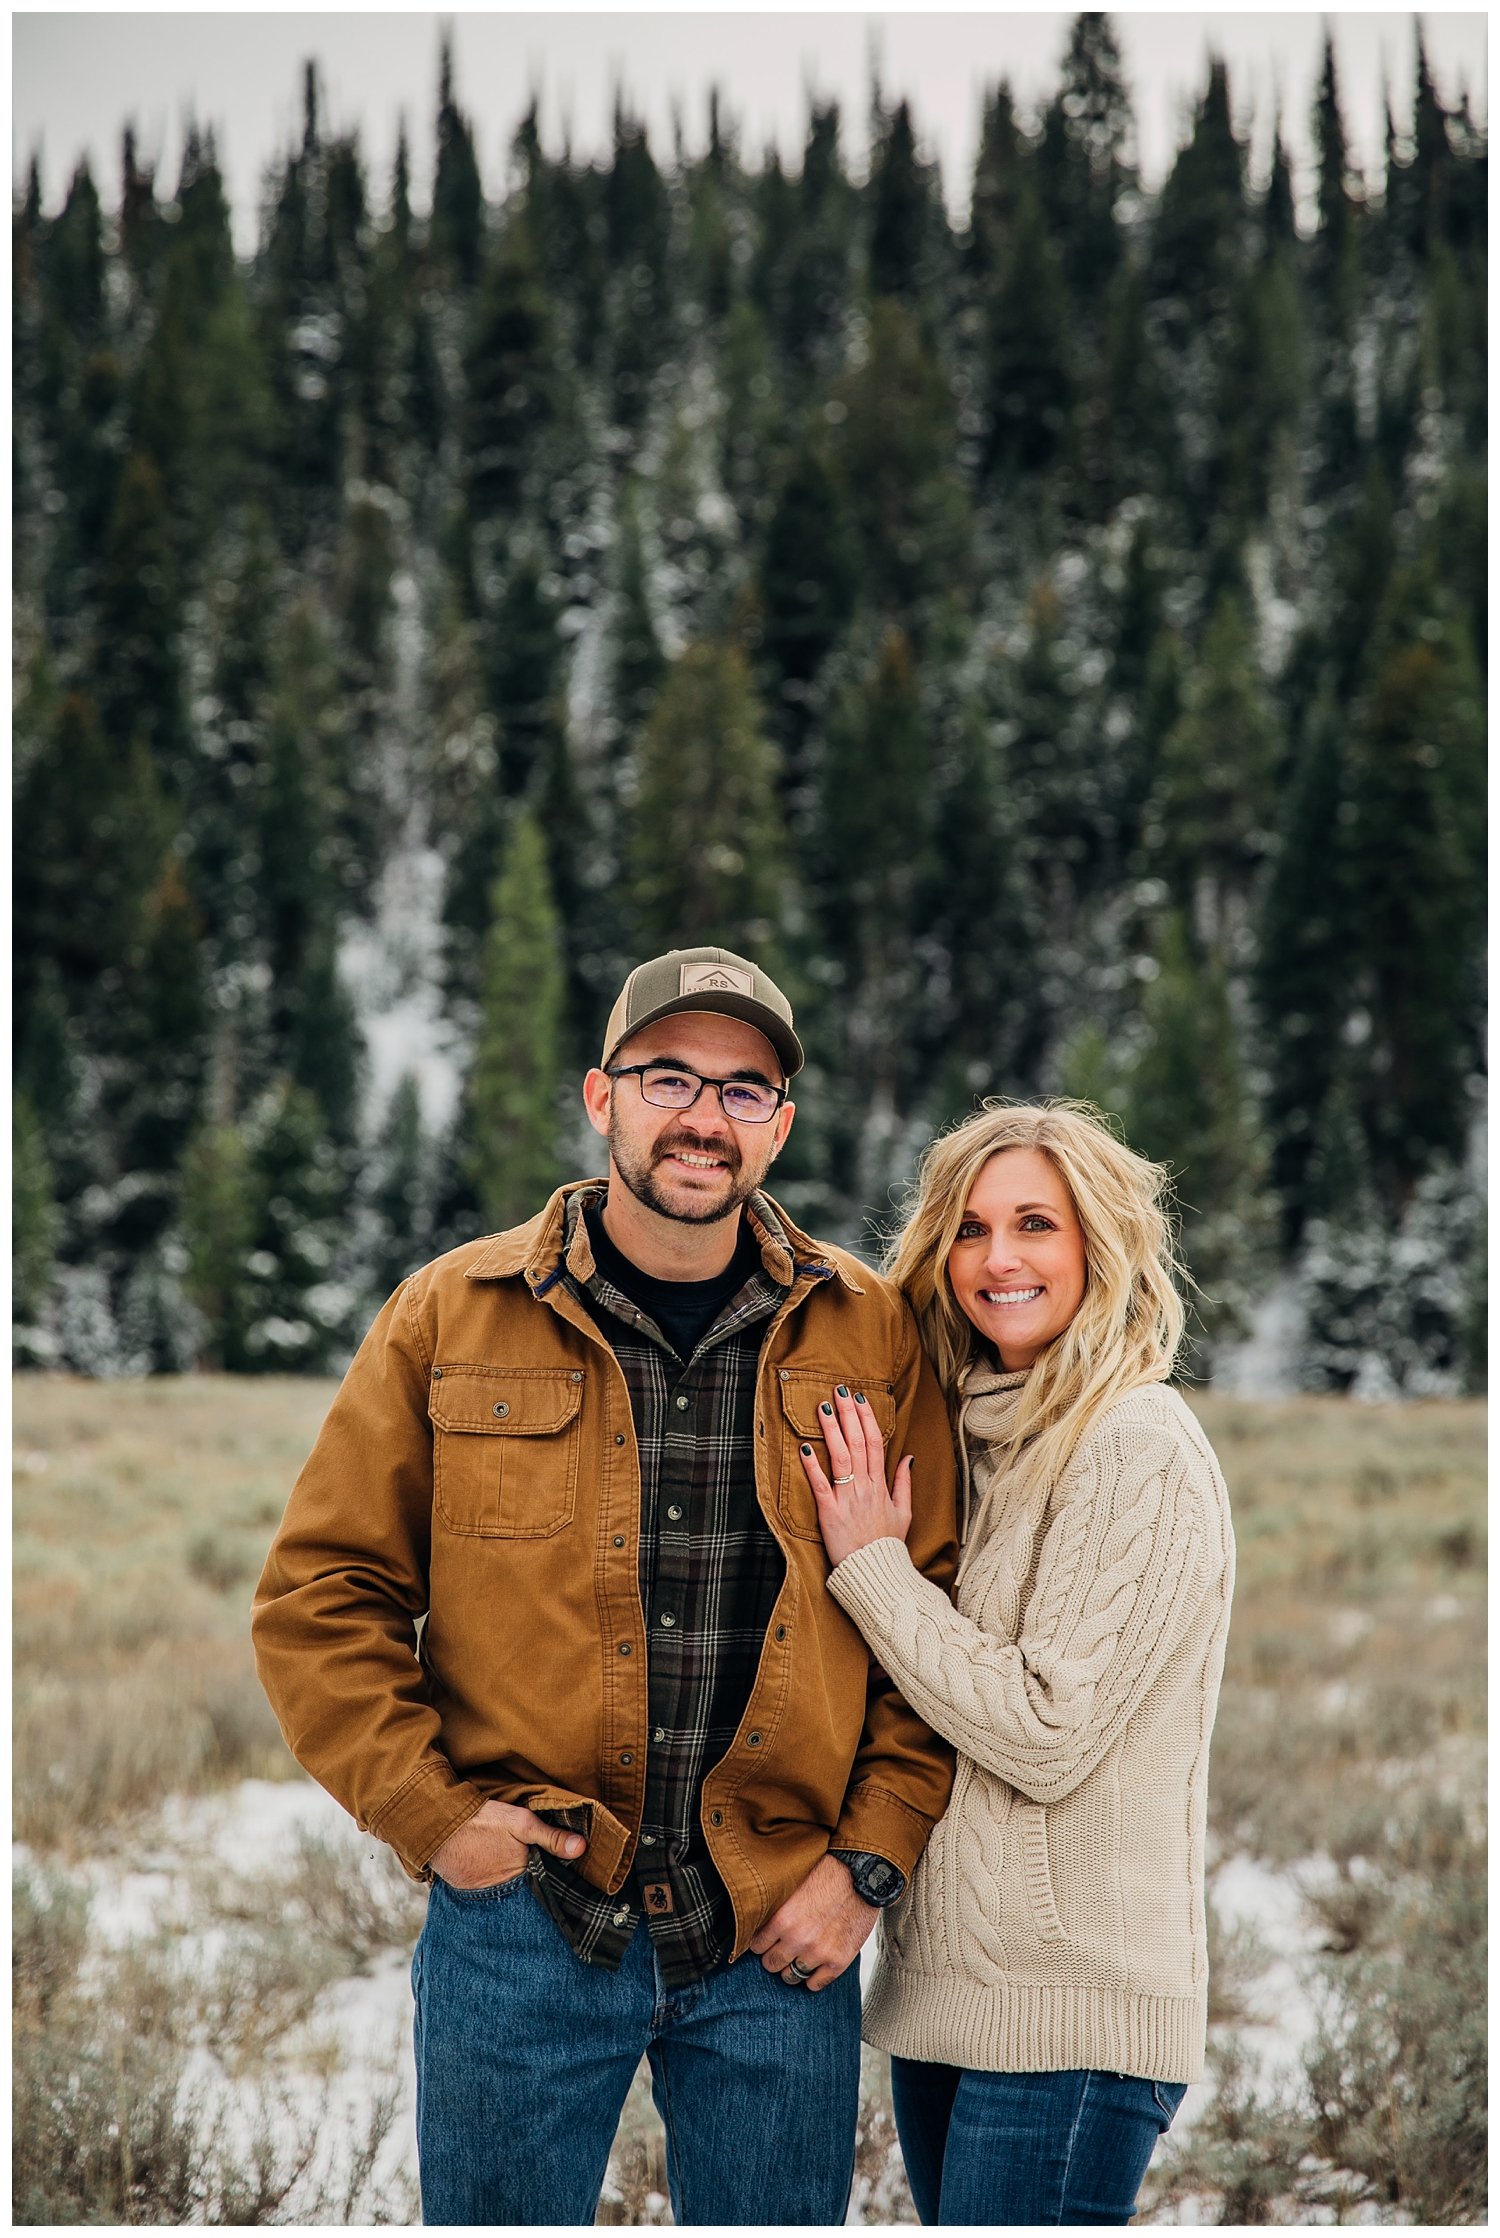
pixel 704 979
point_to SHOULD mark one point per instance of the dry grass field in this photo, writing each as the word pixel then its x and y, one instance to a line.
pixel 208 2058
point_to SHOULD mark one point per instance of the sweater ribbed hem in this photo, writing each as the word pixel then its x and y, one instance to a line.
pixel 1033 2028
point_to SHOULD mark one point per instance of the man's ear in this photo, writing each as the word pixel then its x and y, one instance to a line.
pixel 784 1118
pixel 597 1090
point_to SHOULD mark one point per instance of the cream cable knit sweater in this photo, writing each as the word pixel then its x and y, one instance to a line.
pixel 1056 1918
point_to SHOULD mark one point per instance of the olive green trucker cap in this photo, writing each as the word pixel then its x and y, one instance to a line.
pixel 704 979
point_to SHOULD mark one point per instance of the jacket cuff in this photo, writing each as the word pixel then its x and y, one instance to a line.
pixel 422 1813
pixel 883 1825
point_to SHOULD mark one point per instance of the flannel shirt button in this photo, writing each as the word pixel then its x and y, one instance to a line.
pixel 668 1619
pixel 620 1917
pixel 648 1841
pixel 683 1402
pixel 674 1514
pixel 660 1734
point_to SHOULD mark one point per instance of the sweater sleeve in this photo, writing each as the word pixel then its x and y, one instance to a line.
pixel 1123 1567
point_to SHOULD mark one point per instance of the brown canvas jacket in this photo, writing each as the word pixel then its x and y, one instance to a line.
pixel 450 1610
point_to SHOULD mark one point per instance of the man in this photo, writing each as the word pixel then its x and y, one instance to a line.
pixel 547 1612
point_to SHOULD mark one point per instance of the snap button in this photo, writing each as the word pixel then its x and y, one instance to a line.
pixel 753 1740
pixel 668 1619
pixel 716 1818
pixel 785 1374
pixel 619 1918
pixel 683 1403
pixel 648 1841
pixel 674 1515
pixel 660 1734
pixel 624 1647
pixel 619 1437
pixel 576 1376
pixel 618 1540
pixel 781 1631
pixel 437 1375
pixel 502 1407
pixel 626 1757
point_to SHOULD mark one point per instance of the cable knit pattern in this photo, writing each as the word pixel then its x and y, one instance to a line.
pixel 1056 1919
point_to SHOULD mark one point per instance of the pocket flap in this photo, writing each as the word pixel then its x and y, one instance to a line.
pixel 513 1402
pixel 802 1394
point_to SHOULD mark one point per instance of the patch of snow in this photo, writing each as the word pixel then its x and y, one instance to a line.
pixel 1247 1893
pixel 1347 1627
pixel 392 968
pixel 1265 1365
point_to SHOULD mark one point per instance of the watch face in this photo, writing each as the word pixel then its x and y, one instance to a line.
pixel 880 1881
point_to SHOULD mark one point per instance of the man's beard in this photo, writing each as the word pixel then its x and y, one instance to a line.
pixel 639 1175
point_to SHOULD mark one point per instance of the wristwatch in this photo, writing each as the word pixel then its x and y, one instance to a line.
pixel 875 1880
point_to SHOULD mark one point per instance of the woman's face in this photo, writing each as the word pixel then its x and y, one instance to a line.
pixel 1018 1268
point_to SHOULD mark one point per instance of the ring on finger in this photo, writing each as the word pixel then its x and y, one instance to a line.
pixel 794 1966
pixel 844 1479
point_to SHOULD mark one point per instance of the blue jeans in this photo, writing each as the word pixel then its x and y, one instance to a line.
pixel 1006 2150
pixel 525 2055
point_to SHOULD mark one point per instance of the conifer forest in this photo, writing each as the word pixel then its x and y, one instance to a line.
pixel 1051 639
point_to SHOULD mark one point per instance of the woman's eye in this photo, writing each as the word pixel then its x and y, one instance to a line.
pixel 967 1230
pixel 1034 1224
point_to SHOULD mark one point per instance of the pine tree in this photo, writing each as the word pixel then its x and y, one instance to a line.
pixel 1302 970
pixel 708 842
pixel 896 444
pixel 1416 900
pixel 513 392
pixel 809 579
pixel 34 1221
pixel 1215 792
pixel 1186 1103
pixel 1027 344
pixel 456 233
pixel 138 657
pixel 1086 166
pixel 908 227
pixel 219 1216
pixel 402 1182
pixel 513 1089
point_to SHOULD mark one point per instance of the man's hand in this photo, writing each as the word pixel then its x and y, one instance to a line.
pixel 492 1846
pixel 822 1924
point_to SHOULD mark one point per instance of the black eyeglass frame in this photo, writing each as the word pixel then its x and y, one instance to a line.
pixel 621 1072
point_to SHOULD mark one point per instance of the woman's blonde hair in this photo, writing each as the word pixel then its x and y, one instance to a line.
pixel 1129 1324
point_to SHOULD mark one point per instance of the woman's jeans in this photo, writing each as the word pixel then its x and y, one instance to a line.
pixel 525 2055
pixel 1070 2147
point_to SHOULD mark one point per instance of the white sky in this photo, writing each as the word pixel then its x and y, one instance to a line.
pixel 77 78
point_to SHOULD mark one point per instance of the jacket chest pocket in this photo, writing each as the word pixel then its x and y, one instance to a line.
pixel 802 1393
pixel 505 1449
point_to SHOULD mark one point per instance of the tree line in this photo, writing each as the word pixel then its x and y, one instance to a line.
pixel 1053 642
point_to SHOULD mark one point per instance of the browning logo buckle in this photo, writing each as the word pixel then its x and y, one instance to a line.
pixel 658 1896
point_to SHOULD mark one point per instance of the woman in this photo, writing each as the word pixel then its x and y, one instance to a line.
pixel 1042 1983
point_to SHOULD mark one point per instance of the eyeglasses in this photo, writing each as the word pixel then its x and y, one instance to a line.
pixel 671 1089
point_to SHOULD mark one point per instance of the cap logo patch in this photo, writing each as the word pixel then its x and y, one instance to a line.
pixel 716 979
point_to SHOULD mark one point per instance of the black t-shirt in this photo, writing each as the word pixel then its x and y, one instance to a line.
pixel 683 1311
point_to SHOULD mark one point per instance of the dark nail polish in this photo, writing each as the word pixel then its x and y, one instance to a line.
pixel 807 1449
pixel 825 1408
pixel 843 1390
pixel 859 1398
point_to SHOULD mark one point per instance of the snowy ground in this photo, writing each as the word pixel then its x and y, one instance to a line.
pixel 353 2051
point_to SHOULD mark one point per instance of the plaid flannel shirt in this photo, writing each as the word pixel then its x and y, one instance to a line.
pixel 710 1571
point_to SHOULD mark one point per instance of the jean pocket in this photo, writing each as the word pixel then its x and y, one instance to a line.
pixel 1169 2097
pixel 492 1892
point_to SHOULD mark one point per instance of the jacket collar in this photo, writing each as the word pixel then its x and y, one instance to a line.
pixel 535 1249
